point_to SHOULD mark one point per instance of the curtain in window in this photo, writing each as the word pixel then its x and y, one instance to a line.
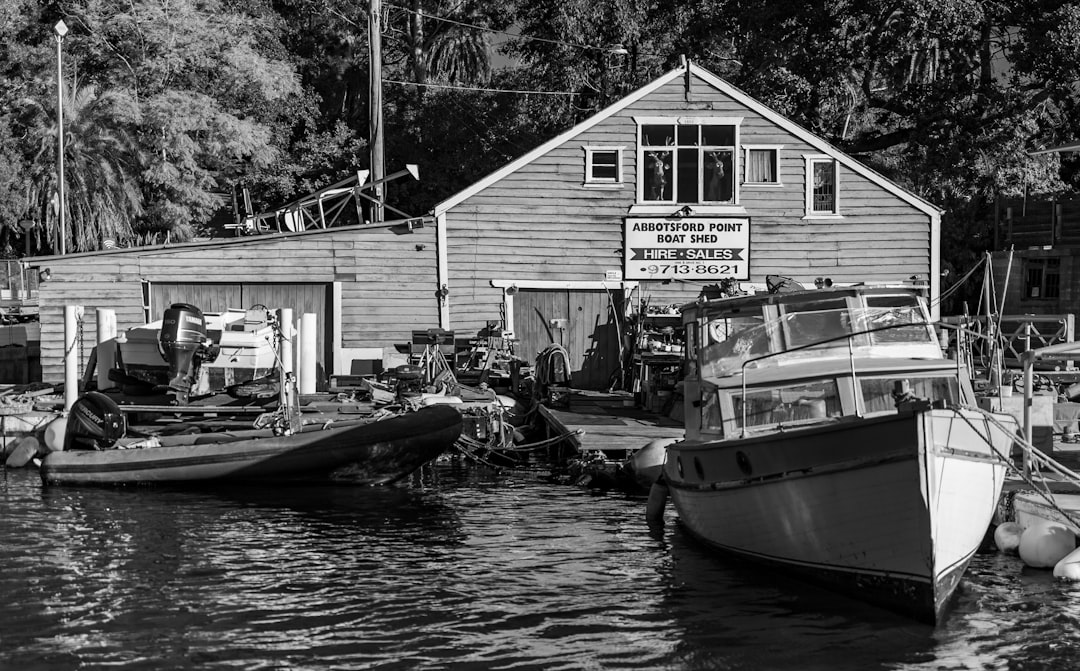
pixel 761 167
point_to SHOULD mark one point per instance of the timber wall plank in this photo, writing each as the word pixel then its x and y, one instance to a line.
pixel 387 280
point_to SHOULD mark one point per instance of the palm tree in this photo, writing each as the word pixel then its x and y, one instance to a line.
pixel 102 161
pixel 460 56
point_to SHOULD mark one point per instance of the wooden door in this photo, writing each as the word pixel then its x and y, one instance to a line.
pixel 582 322
pixel 302 298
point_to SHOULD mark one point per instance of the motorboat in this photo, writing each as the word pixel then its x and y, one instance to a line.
pixel 376 449
pixel 827 436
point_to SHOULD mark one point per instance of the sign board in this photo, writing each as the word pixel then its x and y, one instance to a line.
pixel 687 248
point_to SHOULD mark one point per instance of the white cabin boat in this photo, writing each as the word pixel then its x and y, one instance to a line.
pixel 827 435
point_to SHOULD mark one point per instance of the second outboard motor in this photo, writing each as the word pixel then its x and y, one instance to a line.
pixel 184 345
pixel 94 423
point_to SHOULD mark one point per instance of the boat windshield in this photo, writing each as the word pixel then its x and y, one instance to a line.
pixel 808 328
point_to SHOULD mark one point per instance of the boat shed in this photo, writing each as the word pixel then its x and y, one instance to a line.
pixel 684 183
pixel 369 286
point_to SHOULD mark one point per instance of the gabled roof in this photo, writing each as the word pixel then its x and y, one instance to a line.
pixel 725 88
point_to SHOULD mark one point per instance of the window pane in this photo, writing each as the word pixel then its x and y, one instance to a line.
pixel 877 393
pixel 718 176
pixel 688 136
pixel 816 321
pixel 812 400
pixel 605 165
pixel 658 136
pixel 1034 280
pixel 657 183
pixel 688 176
pixel 762 167
pixel 718 136
pixel 824 193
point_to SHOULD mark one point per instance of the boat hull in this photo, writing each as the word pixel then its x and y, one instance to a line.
pixel 888 509
pixel 369 452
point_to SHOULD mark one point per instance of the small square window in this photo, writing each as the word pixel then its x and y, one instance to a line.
pixel 603 165
pixel 762 166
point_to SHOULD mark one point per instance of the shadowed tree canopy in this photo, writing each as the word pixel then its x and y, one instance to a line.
pixel 946 97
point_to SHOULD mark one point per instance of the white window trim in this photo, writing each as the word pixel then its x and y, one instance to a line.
pixel 643 206
pixel 746 162
pixel 590 182
pixel 810 160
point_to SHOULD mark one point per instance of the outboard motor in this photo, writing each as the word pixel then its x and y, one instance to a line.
pixel 184 345
pixel 94 423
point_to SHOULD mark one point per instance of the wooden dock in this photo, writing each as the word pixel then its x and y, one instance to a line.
pixel 607 422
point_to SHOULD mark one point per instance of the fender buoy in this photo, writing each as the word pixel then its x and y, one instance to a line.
pixel 1044 544
pixel 654 509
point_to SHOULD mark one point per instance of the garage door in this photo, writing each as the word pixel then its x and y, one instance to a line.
pixel 302 298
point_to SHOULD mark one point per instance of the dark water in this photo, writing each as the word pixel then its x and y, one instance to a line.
pixel 464 569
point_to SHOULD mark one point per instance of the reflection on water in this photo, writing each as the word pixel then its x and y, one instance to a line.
pixel 463 569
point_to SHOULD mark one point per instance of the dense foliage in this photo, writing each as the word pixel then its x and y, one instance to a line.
pixel 171 106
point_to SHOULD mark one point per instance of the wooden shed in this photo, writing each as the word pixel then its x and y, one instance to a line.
pixel 369 286
pixel 684 183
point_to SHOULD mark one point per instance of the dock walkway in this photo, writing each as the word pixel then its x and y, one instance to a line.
pixel 607 422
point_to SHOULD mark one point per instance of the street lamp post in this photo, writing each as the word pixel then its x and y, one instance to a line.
pixel 61 29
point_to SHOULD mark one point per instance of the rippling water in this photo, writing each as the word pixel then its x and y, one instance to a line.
pixel 461 569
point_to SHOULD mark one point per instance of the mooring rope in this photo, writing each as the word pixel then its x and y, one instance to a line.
pixel 1037 457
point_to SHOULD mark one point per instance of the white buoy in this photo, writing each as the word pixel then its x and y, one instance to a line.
pixel 55 433
pixel 25 450
pixel 288 333
pixel 647 462
pixel 1007 537
pixel 1069 567
pixel 1044 544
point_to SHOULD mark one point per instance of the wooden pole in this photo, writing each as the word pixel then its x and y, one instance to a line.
pixel 375 118
pixel 71 353
pixel 308 342
pixel 106 353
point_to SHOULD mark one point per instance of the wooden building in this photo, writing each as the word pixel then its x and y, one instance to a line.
pixel 369 287
pixel 685 182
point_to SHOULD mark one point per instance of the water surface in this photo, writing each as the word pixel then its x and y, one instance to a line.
pixel 463 568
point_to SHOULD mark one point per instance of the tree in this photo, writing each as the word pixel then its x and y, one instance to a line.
pixel 101 163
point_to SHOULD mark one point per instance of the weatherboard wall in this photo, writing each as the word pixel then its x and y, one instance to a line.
pixel 384 275
pixel 539 223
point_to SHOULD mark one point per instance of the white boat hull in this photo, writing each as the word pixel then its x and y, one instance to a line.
pixel 889 509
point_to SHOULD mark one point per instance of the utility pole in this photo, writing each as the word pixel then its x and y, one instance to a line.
pixel 375 128
pixel 61 30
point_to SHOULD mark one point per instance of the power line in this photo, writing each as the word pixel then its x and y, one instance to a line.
pixel 475 88
pixel 584 47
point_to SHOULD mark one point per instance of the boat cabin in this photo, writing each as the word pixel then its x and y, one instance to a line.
pixel 762 362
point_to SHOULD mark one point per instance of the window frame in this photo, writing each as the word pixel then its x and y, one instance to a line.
pixel 643 206
pixel 1043 265
pixel 776 149
pixel 811 213
pixel 593 182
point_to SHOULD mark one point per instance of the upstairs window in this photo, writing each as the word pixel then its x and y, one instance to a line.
pixel 687 163
pixel 762 165
pixel 822 187
pixel 603 166
pixel 1042 278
